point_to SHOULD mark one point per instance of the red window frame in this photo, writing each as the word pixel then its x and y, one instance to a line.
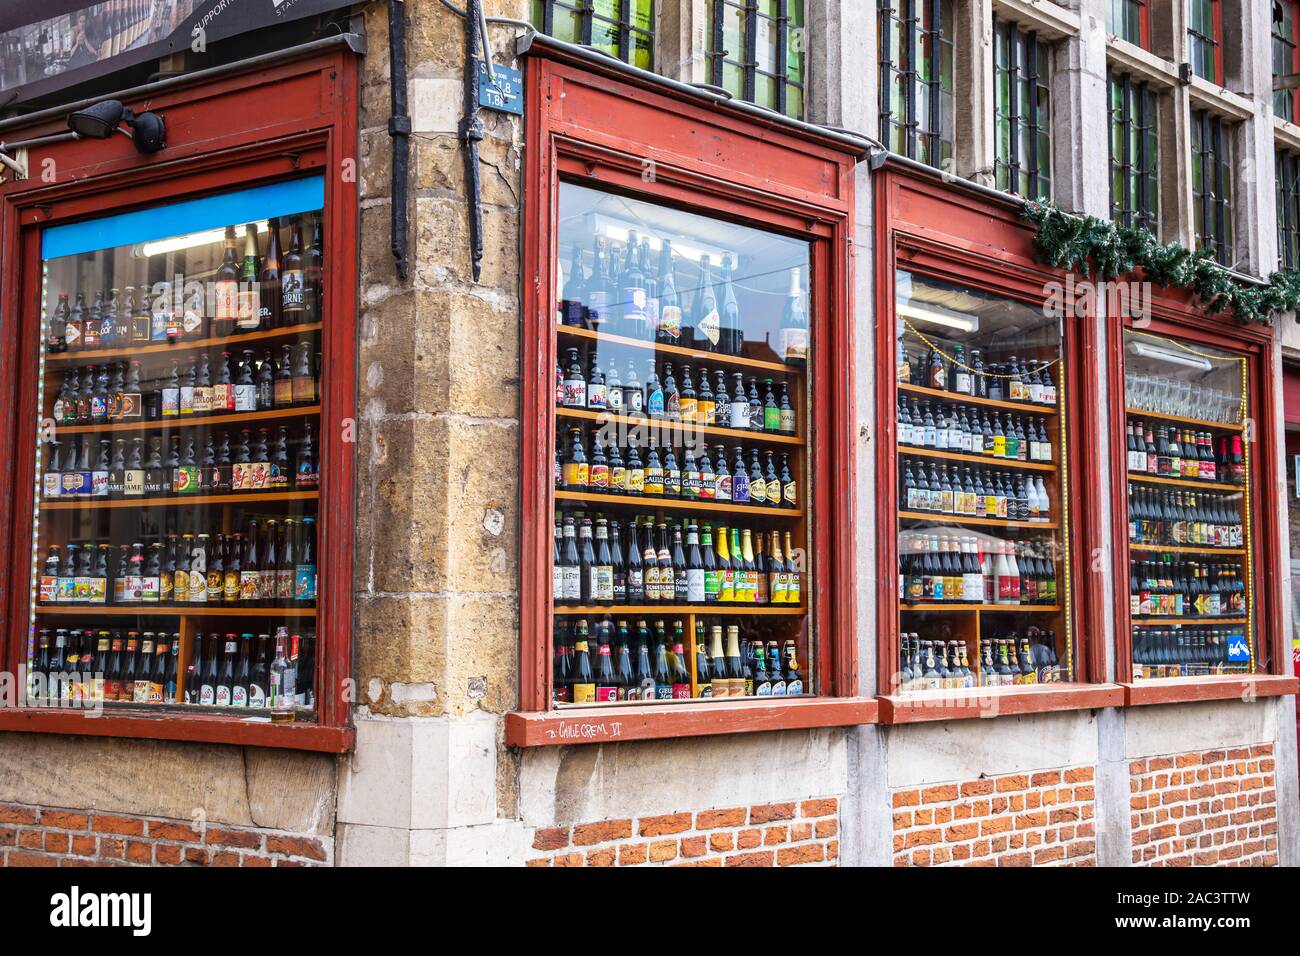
pixel 222 135
pixel 1294 94
pixel 605 127
pixel 1180 316
pixel 953 234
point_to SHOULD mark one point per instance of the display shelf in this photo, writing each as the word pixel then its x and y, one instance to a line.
pixel 955 519
pixel 1181 420
pixel 169 610
pixel 708 358
pixel 1151 620
pixel 191 421
pixel 995 608
pixel 963 399
pixel 180 345
pixel 181 500
pixel 975 459
pixel 721 610
pixel 1178 549
pixel 1182 482
pixel 736 434
pixel 646 504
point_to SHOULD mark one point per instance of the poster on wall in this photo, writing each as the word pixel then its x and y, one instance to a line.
pixel 46 45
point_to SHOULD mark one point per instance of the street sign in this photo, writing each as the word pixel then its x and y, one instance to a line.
pixel 504 92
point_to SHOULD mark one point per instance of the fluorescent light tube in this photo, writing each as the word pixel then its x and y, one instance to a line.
pixel 178 243
pixel 937 316
pixel 1166 355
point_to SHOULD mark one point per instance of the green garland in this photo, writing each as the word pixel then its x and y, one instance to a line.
pixel 1078 243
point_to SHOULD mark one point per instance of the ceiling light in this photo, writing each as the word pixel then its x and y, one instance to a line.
pixel 937 316
pixel 190 241
pixel 1166 355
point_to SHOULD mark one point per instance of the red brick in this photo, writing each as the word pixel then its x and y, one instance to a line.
pixel 632 854
pixel 139 851
pixel 601 857
pixel 902 798
pixel 1029 820
pixel 748 839
pixel 763 858
pixel 961 852
pixel 721 842
pixel 712 819
pixel 663 850
pixel 236 838
pixel 31 840
pixel 56 843
pixel 961 831
pixel 767 812
pixel 1049 853
pixel 976 788
pixel 832 849
pixel 194 854
pixel 827 828
pixel 773 835
pixel 296 846
pixel 1015 782
pixel 569 859
pixel 711 861
pixel 120 825
pixel 939 794
pixel 819 808
pixel 8 836
pixel 604 831
pixel 84 845
pixel 167 854
pixel 20 858
pixel 694 846
pixel 794 855
pixel 1015 859
pixel 181 832
pixel 225 858
pixel 12 813
pixel 63 820
pixel 804 831
pixel 921 838
pixel 256 860
pixel 1048 778
pixel 552 838
pixel 1079 775
pixel 662 825
pixel 921 858
pixel 995 825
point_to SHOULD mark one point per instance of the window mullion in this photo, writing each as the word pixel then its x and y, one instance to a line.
pixel 751 47
pixel 933 87
pixel 911 76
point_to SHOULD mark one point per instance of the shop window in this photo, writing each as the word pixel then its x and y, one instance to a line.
pixel 757 51
pixel 1022 111
pixel 179 457
pixel 1190 532
pixel 1286 55
pixel 1127 19
pixel 1205 39
pixel 621 28
pixel 1134 153
pixel 984 537
pixel 1212 186
pixel 1287 178
pixel 682 551
pixel 915 56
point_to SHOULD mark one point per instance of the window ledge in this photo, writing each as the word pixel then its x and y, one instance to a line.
pixel 172 726
pixel 1174 690
pixel 612 724
pixel 1219 99
pixel 1143 64
pixel 1046 17
pixel 1287 133
pixel 997 702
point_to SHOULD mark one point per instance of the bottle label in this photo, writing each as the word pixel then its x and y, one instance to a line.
pixel 72 333
pixel 670 322
pixel 740 488
pixel 599 475
pixel 245 398
pixel 596 397
pixel 185 481
pixel 634 304
pixel 304 583
pixel 223 696
pixel 575 474
pixel 739 417
pixel 226 304
pixel 695 585
pixel 710 327
pixel 249 585
pixel 292 294
pixel 794 344
pixel 772 419
pixel 636 481
pixel 256 695
pixel 239 696
pixel 171 401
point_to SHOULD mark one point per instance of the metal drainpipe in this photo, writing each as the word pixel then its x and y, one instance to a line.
pixel 471 132
pixel 399 128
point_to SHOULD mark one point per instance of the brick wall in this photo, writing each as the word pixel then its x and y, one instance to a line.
pixel 770 834
pixel 1205 808
pixel 1035 819
pixel 44 836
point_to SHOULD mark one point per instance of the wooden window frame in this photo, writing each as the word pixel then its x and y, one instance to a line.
pixel 1179 316
pixel 1215 40
pixel 950 233
pixel 603 128
pixel 223 135
pixel 888 64
pixel 1144 22
pixel 718 58
pixel 587 16
pixel 1292 96
pixel 1287 177
pixel 1216 188
pixel 1023 47
pixel 1127 212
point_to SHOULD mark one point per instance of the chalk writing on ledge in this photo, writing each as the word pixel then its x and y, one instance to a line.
pixel 583 730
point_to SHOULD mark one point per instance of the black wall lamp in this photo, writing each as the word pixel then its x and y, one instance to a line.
pixel 104 119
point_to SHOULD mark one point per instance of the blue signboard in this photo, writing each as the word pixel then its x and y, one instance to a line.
pixel 504 92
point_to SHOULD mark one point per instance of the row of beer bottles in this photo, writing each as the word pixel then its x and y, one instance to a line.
pixel 255 293
pixel 226 671
pixel 672 565
pixel 81 666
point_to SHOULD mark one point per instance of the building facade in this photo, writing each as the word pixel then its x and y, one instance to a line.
pixel 900 137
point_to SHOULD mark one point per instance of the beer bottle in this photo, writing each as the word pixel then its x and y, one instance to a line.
pixel 293 295
pixel 172 465
pixel 650 561
pixel 304 377
pixel 618 564
pixel 793 584
pixel 216 571
pixel 603 583
pixel 736 671
pixel 283 684
pixel 231 583
pixel 170 674
pixel 108 322
pixel 151 580
pixel 794 323
pixel 598 471
pixel 306 467
pixel 606 679
pixel 662 673
pixel 721 682
pixel 259 673
pixel 239 687
pixel 570 565
pixel 654 473
pixel 241 471
pixel 144 672
pixel 282 388
pixel 250 581
pixel 732 336
pixel 635 485
pixel 158 668
pixel 681 576
pixel 74 325
pixel 762 679
pixel 573 310
pixel 226 305
pixel 584 681
pixel 793 681
pixel 223 392
pixel 265 382
pixel 92 323
pixel 633 298
pixel 776 675
pixel 288 566
pixel 636 589
pixel 249 309
pixel 277 476
pixel 245 389
pixel 206 670
pixel 680 672
pixel 624 677
pixel 304 585
pixel 645 679
pixel 226 675
pixel 131 669
pixel 56 333
pixel 669 331
pixel 269 290
pixel 672 474
pixel 707 322
pixel 112 668
pixel 703 672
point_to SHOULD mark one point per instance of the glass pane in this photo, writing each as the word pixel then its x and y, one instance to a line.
pixel 179 453
pixel 1189 540
pixel 765 49
pixel 984 586
pixel 681 548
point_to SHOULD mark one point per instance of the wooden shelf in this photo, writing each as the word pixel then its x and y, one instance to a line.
pixel 191 421
pixel 1150 620
pixel 180 345
pixel 976 459
pixel 651 424
pixel 181 500
pixel 1179 549
pixel 699 357
pixel 170 610
pixel 972 400
pixel 984 522
pixel 992 608
pixel 645 504
pixel 1183 482
pixel 1198 422
pixel 731 610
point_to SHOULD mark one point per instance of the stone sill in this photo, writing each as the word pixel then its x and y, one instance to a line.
pixel 173 726
pixel 997 702
pixel 613 724
pixel 1174 690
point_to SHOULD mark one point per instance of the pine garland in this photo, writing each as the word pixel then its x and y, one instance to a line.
pixel 1085 243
